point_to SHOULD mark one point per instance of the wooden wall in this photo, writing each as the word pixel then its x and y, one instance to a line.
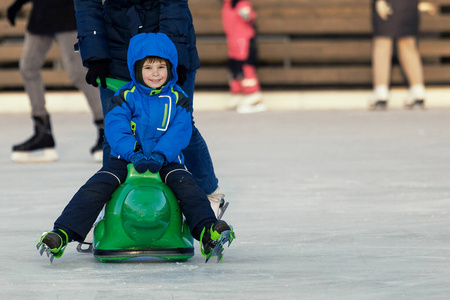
pixel 302 43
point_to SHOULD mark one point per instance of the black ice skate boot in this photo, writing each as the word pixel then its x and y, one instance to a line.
pixel 214 238
pixel 40 147
pixel 53 243
pixel 97 149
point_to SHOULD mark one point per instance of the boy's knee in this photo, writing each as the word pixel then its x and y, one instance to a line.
pixel 178 176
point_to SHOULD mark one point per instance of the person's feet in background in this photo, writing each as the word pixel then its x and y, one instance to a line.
pixel 97 149
pixel 251 103
pixel 41 146
pixel 379 98
pixel 416 97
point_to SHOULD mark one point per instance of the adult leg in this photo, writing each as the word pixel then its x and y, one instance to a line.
pixel 77 73
pixel 412 65
pixel 35 50
pixel 81 212
pixel 410 60
pixel 197 156
pixel 41 146
pixel 381 69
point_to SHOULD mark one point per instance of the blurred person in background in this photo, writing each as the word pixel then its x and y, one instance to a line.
pixel 50 21
pixel 238 20
pixel 397 20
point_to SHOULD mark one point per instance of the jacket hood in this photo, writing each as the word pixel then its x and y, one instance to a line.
pixel 152 44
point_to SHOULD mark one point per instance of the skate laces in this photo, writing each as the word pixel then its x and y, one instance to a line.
pixel 213 239
pixel 53 239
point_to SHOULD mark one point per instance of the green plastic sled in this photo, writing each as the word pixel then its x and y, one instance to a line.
pixel 142 219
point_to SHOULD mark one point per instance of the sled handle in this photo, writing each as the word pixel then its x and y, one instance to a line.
pixel 132 174
pixel 112 83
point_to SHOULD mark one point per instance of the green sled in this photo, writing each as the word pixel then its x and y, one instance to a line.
pixel 142 219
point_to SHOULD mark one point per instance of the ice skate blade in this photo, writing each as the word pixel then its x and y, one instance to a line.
pixel 41 247
pixel 98 156
pixel 89 249
pixel 378 105
pixel 222 210
pixel 36 156
pixel 417 103
pixel 226 236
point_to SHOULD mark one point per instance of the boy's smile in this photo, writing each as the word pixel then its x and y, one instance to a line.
pixel 154 73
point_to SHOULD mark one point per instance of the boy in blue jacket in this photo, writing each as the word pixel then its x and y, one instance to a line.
pixel 105 28
pixel 148 125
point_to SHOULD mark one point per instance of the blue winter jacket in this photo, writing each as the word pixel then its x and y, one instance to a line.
pixel 104 30
pixel 154 120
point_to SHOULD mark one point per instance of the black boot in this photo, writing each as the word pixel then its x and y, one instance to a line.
pixel 40 147
pixel 97 149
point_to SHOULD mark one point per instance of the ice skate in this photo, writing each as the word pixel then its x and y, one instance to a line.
pixel 218 204
pixel 379 98
pixel 97 149
pixel 213 239
pixel 53 243
pixel 40 147
pixel 233 102
pixel 378 105
pixel 251 104
pixel 419 103
pixel 415 97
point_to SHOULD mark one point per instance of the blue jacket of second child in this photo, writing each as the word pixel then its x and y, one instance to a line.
pixel 154 120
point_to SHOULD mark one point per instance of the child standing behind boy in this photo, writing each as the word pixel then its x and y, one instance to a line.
pixel 149 126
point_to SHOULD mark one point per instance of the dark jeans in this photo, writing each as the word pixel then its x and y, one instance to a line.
pixel 196 155
pixel 80 214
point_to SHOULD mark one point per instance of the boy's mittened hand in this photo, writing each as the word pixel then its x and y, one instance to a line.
pixel 139 162
pixel 155 162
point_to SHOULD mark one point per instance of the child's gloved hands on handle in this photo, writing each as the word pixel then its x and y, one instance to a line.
pixel 142 164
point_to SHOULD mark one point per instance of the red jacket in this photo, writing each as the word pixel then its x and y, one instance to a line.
pixel 238 24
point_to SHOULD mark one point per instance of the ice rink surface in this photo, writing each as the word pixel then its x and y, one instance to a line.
pixel 325 205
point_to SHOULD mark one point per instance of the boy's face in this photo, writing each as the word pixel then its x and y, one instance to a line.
pixel 154 73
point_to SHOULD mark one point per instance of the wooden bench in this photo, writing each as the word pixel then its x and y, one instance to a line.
pixel 302 43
